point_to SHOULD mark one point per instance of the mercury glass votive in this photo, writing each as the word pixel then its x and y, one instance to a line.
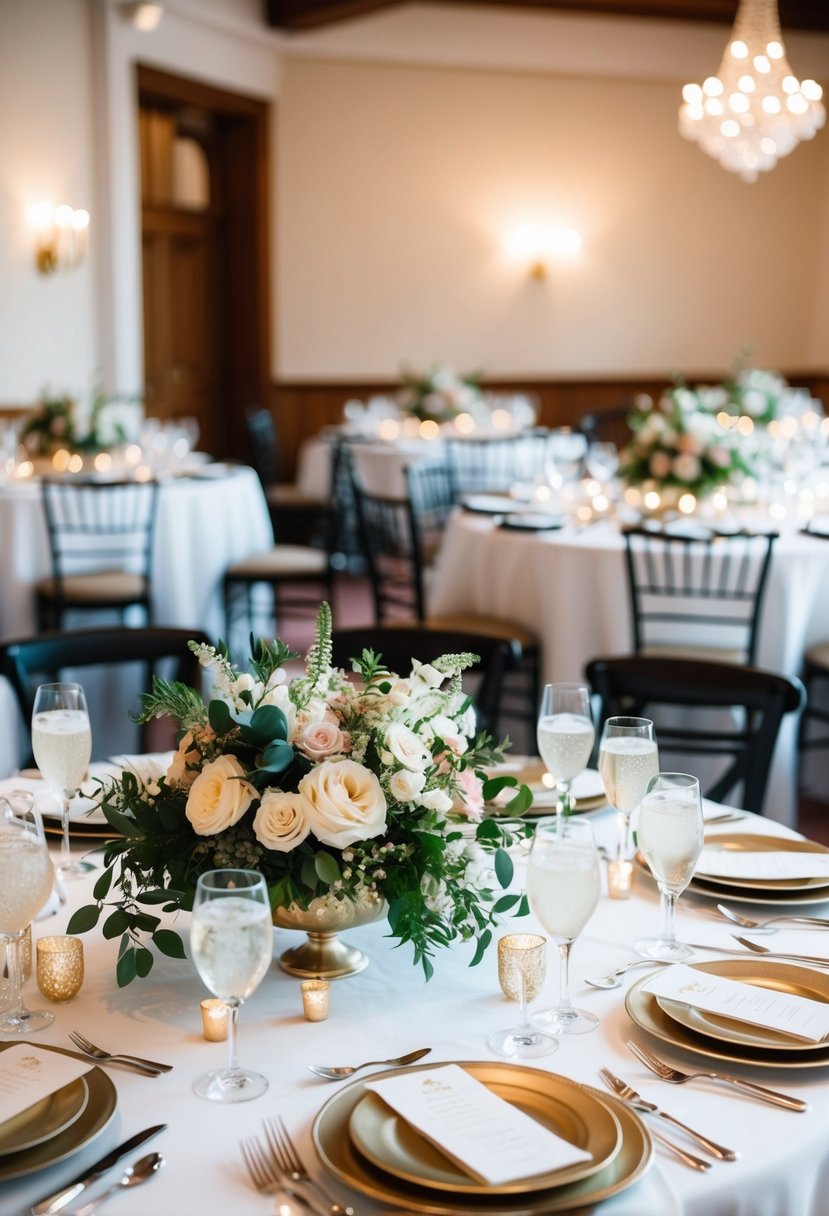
pixel 214 1016
pixel 521 952
pixel 59 967
pixel 315 994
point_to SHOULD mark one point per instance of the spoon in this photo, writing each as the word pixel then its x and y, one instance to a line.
pixel 346 1070
pixel 133 1175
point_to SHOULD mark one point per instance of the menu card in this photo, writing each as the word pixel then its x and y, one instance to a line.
pixel 29 1074
pixel 729 863
pixel 798 1016
pixel 486 1136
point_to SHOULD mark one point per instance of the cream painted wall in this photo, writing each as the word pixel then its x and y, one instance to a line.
pixel 398 184
pixel 47 323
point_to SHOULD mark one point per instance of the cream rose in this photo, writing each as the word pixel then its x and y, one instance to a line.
pixel 184 766
pixel 436 800
pixel 405 785
pixel 406 747
pixel 321 739
pixel 281 823
pixel 219 796
pixel 346 802
pixel 444 728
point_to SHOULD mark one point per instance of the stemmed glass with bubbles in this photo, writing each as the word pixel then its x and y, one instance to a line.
pixel 62 746
pixel 231 941
pixel 628 758
pixel 563 889
pixel 26 878
pixel 670 834
pixel 565 735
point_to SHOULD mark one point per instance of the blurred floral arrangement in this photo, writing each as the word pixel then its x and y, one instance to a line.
pixel 440 395
pixel 66 422
pixel 336 791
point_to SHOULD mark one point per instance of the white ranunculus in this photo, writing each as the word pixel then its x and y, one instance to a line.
pixel 406 747
pixel 346 801
pixel 436 800
pixel 405 785
pixel 219 796
pixel 282 821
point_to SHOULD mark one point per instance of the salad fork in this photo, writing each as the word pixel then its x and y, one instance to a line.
pixel 628 1094
pixel 676 1077
pixel 267 1181
pixel 766 926
pixel 289 1164
pixel 98 1053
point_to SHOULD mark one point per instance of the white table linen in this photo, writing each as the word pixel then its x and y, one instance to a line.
pixel 380 467
pixel 388 1009
pixel 570 588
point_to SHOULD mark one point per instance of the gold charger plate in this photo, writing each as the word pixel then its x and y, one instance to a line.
pixel 745 842
pixel 530 773
pixel 44 1119
pixel 99 1110
pixel 713 889
pixel 564 1107
pixel 336 1151
pixel 644 1010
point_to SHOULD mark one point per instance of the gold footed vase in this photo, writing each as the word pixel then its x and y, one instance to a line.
pixel 323 956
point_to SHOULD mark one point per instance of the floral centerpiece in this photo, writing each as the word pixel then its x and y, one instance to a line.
pixel 440 395
pixel 66 422
pixel 334 790
pixel 678 442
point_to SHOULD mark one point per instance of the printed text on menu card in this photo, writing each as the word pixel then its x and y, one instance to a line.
pixel 29 1074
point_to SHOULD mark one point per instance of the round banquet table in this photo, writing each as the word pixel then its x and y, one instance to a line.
pixel 389 1009
pixel 570 588
pixel 205 522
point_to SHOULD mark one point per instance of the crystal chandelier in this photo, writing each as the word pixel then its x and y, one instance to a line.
pixel 754 110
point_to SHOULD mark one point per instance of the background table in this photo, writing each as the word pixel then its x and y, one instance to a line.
pixel 389 1009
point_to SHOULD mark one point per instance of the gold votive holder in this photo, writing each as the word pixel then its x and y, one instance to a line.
pixel 315 994
pixel 521 953
pixel 214 1016
pixel 59 967
pixel 620 879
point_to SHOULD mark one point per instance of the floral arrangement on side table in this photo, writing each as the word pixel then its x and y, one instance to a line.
pixel 440 395
pixel 333 790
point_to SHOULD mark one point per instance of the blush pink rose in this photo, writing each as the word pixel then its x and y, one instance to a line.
pixel 469 797
pixel 321 739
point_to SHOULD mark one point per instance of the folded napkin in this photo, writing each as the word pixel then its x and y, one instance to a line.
pixel 731 863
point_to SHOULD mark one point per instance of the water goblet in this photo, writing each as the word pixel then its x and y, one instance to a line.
pixel 670 834
pixel 62 746
pixel 231 941
pixel 602 461
pixel 628 758
pixel 563 888
pixel 521 969
pixel 565 736
pixel 26 878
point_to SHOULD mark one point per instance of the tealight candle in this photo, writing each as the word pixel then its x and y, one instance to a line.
pixel 59 967
pixel 315 999
pixel 619 879
pixel 214 1020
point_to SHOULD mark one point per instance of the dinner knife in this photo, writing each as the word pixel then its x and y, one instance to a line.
pixel 54 1203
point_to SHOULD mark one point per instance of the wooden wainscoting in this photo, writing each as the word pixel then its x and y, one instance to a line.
pixel 303 408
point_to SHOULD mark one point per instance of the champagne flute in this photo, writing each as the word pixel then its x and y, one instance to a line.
pixel 628 758
pixel 670 834
pixel 26 878
pixel 62 746
pixel 565 736
pixel 231 941
pixel 563 888
pixel 521 969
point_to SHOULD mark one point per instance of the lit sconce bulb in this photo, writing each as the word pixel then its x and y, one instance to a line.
pixel 687 504
pixel 537 244
pixel 61 236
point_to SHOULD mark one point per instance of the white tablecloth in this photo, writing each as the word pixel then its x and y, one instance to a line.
pixel 570 588
pixel 380 467
pixel 204 524
pixel 389 1009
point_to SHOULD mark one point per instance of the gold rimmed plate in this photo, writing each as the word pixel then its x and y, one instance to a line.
pixel 747 893
pixel 564 1107
pixel 644 1010
pixel 745 842
pixel 99 1110
pixel 531 772
pixel 336 1151
pixel 44 1119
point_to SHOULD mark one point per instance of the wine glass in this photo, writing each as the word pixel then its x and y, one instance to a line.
pixel 563 889
pixel 566 449
pixel 602 461
pixel 26 878
pixel 565 736
pixel 670 834
pixel 231 941
pixel 628 758
pixel 62 746
pixel 521 969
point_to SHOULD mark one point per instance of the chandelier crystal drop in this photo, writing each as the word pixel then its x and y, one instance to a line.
pixel 754 110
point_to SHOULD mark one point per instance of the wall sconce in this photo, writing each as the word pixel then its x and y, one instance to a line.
pixel 536 245
pixel 61 237
pixel 144 16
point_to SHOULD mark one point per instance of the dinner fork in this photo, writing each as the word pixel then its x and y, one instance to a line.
pixel 815 960
pixel 625 1091
pixel 98 1053
pixel 289 1164
pixel 667 1073
pixel 764 926
pixel 268 1182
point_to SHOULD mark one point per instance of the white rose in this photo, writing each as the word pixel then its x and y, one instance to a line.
pixel 436 800
pixel 282 821
pixel 405 785
pixel 219 796
pixel 444 728
pixel 427 673
pixel 346 802
pixel 278 696
pixel 406 748
pixel 399 693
